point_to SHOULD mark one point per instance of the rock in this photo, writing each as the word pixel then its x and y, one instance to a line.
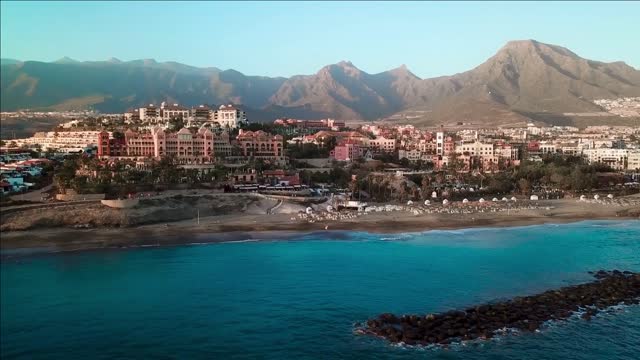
pixel 525 313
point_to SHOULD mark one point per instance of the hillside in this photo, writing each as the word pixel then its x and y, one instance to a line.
pixel 524 81
pixel 527 80
pixel 113 86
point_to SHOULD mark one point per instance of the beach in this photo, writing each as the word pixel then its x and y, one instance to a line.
pixel 256 223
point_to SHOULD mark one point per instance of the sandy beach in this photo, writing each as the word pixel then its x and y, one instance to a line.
pixel 256 225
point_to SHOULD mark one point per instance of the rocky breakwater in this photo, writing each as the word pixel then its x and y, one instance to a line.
pixel 526 314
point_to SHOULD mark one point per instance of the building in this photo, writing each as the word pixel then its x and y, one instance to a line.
pixel 546 148
pixel 173 111
pixel 347 151
pixel 440 143
pixel 108 146
pixel 382 144
pixel 186 146
pixel 221 144
pixel 615 158
pixel 64 141
pixel 201 113
pixel 302 127
pixel 261 145
pixel 633 160
pixel 229 116
pixel 149 113
pixel 412 155
pixel 475 149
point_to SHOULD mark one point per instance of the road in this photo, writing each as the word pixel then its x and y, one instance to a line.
pixel 35 195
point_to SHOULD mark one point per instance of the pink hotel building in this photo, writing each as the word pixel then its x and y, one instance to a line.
pixel 189 147
pixel 186 146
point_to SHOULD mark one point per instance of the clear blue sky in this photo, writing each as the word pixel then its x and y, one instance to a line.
pixel 287 38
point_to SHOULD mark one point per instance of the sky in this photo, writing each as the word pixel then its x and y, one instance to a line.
pixel 290 38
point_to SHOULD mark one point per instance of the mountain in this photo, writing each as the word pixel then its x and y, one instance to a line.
pixel 4 61
pixel 528 80
pixel 346 92
pixel 112 86
pixel 525 80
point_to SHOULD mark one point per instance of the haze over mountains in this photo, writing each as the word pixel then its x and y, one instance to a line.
pixel 525 80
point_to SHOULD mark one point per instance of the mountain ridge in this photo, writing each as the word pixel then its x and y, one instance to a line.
pixel 523 79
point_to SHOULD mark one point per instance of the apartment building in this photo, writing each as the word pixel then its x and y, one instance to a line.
pixel 347 151
pixel 633 160
pixel 381 144
pixel 173 111
pixel 615 158
pixel 186 146
pixel 65 141
pixel 261 145
pixel 229 116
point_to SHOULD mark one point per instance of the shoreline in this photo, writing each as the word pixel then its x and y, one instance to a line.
pixel 244 227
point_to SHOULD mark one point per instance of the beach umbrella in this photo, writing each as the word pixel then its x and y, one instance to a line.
pixel 329 208
pixel 309 210
pixel 513 198
pixel 533 197
pixel 481 200
pixel 464 201
pixel 409 202
pixel 583 198
pixel 505 199
pixel 494 199
pixel 434 195
pixel 427 202
pixel 596 196
pixel 445 202
pixel 471 190
pixel 610 196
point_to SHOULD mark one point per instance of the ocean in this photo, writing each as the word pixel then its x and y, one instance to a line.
pixel 300 298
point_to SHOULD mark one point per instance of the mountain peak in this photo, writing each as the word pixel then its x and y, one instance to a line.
pixel 66 60
pixel 345 63
pixel 521 43
pixel 114 60
pixel 534 46
pixel 149 62
pixel 401 69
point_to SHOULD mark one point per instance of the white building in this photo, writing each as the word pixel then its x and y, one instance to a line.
pixel 412 155
pixel 440 143
pixel 546 148
pixel 149 113
pixel 633 160
pixel 229 116
pixel 382 144
pixel 475 149
pixel 65 141
pixel 173 111
pixel 615 158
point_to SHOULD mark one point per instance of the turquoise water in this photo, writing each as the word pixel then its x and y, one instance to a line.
pixel 298 299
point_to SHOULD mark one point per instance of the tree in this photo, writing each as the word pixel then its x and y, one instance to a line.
pixel 425 185
pixel 176 124
pixel 118 135
pixel 525 186
pixel 501 183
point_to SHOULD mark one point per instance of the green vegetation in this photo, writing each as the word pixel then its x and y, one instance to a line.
pixel 87 175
